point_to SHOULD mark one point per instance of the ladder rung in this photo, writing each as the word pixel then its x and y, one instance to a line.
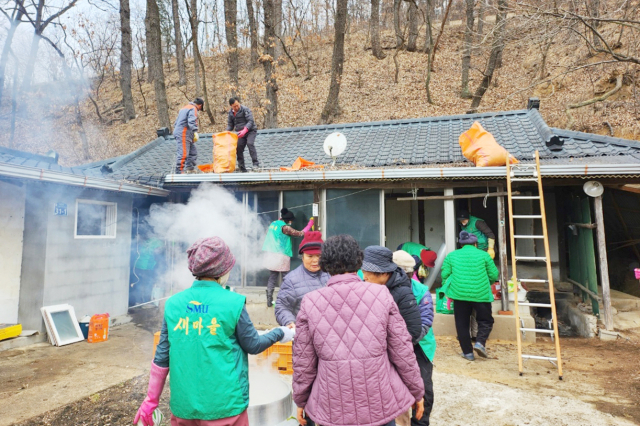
pixel 533 179
pixel 525 197
pixel 531 237
pixel 527 216
pixel 537 330
pixel 535 305
pixel 533 280
pixel 542 259
pixel 547 358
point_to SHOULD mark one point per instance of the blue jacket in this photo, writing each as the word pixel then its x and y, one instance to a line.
pixel 295 285
pixel 187 117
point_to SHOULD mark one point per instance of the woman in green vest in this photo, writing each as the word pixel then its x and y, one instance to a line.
pixel 425 350
pixel 479 228
pixel 468 274
pixel 278 249
pixel 205 338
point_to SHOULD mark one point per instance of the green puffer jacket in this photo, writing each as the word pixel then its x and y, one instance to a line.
pixel 471 272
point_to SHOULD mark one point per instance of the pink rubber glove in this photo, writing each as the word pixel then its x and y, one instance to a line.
pixel 309 226
pixel 157 377
pixel 243 132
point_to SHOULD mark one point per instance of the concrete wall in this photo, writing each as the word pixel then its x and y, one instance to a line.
pixel 12 195
pixel 90 274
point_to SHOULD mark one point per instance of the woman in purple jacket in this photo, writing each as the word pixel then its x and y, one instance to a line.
pixel 353 360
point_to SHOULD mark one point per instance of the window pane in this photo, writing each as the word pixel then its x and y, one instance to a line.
pixel 354 212
pixel 64 325
pixel 265 204
pixel 300 204
pixel 92 219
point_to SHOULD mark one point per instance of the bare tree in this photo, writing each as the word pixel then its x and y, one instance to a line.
pixel 397 26
pixel 40 23
pixel 15 19
pixel 268 61
pixel 192 10
pixel 253 33
pixel 494 57
pixel 442 25
pixel 154 52
pixel 231 33
pixel 332 107
pixel 412 41
pixel 374 29
pixel 126 61
pixel 466 51
pixel 177 34
pixel 430 50
pixel 277 22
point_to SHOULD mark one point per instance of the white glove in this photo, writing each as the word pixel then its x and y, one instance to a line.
pixel 196 136
pixel 289 334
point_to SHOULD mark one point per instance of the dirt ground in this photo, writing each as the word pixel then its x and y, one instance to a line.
pixel 103 384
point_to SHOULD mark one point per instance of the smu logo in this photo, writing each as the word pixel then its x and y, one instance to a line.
pixel 197 308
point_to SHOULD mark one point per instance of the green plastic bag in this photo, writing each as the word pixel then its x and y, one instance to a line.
pixel 444 305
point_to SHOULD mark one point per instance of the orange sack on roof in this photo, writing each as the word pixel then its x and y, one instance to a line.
pixel 224 154
pixel 481 148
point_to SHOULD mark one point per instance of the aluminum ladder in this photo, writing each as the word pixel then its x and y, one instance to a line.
pixel 531 173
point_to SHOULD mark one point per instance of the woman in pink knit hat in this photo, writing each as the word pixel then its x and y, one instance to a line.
pixel 205 338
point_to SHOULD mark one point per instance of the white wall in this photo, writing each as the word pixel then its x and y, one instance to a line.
pixel 12 196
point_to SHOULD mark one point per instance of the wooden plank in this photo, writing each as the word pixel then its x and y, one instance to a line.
pixel 586 290
pixel 604 266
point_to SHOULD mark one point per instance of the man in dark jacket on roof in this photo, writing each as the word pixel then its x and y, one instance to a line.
pixel 378 268
pixel 240 120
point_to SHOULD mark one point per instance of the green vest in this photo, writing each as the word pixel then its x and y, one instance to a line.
pixel 209 370
pixel 471 228
pixel 428 342
pixel 413 249
pixel 276 241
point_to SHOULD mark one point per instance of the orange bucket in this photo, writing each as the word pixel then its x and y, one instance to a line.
pixel 98 328
pixel 156 340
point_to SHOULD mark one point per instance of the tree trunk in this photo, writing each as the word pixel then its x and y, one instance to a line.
pixel 466 52
pixel 332 108
pixel 397 6
pixel 444 22
pixel 480 28
pixel 192 7
pixel 496 53
pixel 31 62
pixel 182 69
pixel 428 42
pixel 268 61
pixel 277 25
pixel 253 33
pixel 374 29
pixel 412 43
pixel 4 57
pixel 430 51
pixel 147 31
pixel 126 49
pixel 231 33
pixel 154 52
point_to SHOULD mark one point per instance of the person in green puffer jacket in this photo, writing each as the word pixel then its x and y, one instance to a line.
pixel 468 273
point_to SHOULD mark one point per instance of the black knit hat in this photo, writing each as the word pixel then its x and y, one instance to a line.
pixel 463 214
pixel 286 215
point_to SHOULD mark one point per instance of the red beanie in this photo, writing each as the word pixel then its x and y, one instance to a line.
pixel 311 243
pixel 428 258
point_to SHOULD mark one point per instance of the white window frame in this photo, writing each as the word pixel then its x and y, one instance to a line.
pixel 52 331
pixel 112 220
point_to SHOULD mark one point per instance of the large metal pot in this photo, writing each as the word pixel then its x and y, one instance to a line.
pixel 274 412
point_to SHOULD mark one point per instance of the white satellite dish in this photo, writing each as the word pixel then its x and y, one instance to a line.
pixel 593 188
pixel 334 145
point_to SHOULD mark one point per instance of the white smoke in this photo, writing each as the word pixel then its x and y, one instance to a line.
pixel 210 211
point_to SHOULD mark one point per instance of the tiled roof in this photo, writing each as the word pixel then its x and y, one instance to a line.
pixel 27 159
pixel 411 142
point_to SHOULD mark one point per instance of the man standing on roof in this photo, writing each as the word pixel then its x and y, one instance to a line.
pixel 185 130
pixel 240 120
pixel 479 228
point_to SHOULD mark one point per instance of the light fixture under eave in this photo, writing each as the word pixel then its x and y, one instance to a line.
pixel 334 145
pixel 593 188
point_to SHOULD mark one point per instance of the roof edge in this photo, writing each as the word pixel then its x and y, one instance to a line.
pixel 28 155
pixel 629 143
pixel 132 155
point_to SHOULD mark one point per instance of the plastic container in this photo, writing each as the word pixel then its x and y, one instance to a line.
pixel 8 331
pixel 98 328
pixel 284 362
pixel 496 289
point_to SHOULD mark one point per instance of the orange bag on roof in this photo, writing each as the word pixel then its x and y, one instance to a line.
pixel 481 148
pixel 225 145
pixel 301 163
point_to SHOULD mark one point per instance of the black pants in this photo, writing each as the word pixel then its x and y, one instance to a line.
pixel 273 279
pixel 426 371
pixel 462 313
pixel 247 140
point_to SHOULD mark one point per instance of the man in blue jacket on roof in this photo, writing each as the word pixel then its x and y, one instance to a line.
pixel 185 130
pixel 240 120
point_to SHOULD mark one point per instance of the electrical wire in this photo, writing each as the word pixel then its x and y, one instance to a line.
pixel 310 204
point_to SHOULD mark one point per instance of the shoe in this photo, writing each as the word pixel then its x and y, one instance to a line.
pixel 269 298
pixel 480 350
pixel 468 357
pixel 242 170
